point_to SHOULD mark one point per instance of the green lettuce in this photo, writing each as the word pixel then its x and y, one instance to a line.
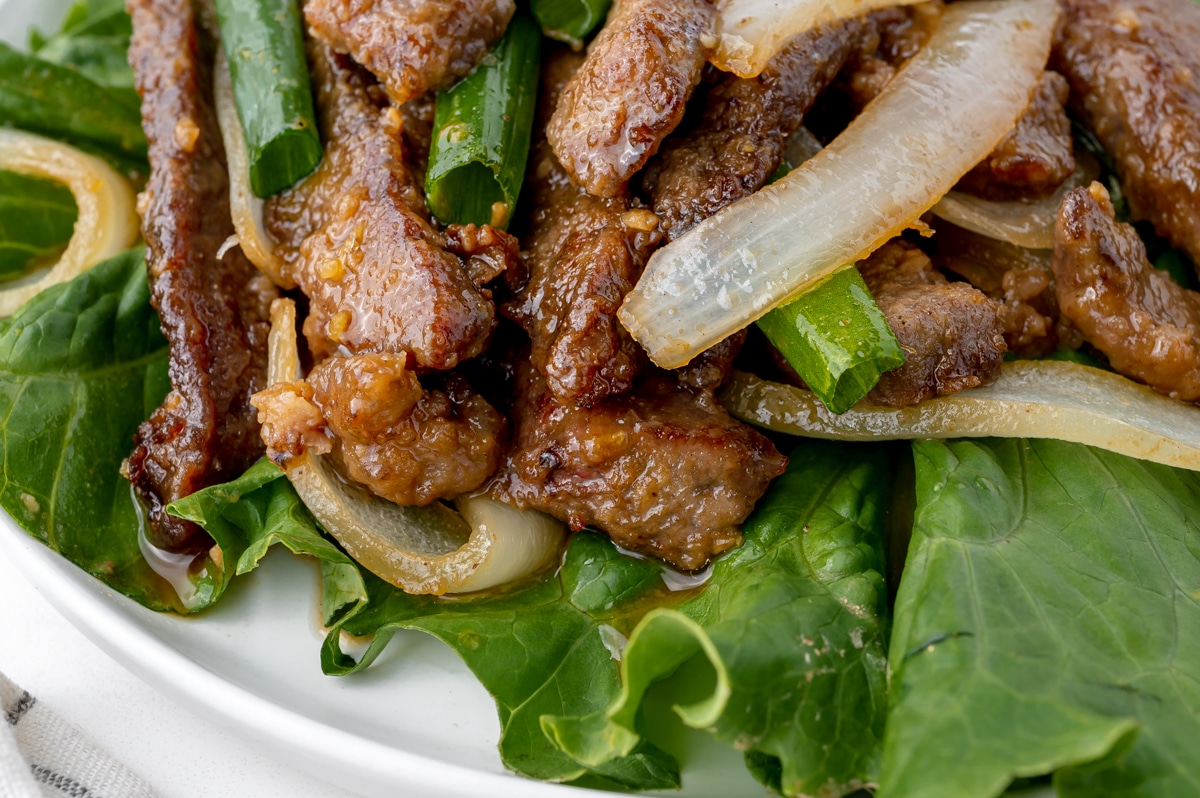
pixel 782 649
pixel 37 218
pixel 81 365
pixel 1048 621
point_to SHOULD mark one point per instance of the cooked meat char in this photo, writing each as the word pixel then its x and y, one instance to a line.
pixel 631 91
pixel 891 36
pixel 712 367
pixel 1036 156
pixel 409 445
pixel 952 335
pixel 418 131
pixel 740 140
pixel 1021 279
pixel 662 471
pixel 214 311
pixel 1134 70
pixel 412 46
pixel 355 237
pixel 1147 324
pixel 584 254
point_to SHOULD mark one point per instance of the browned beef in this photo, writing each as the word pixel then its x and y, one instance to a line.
pixel 1147 324
pixel 418 131
pixel 1134 70
pixel 1036 156
pixel 1021 279
pixel 713 366
pixel 631 91
pixel 354 236
pixel 214 311
pixel 412 46
pixel 584 254
pixel 663 472
pixel 740 140
pixel 952 335
pixel 486 253
pixel 409 445
pixel 891 36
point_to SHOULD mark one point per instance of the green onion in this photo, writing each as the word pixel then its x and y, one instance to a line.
pixel 836 339
pixel 265 48
pixel 37 218
pixel 569 20
pixel 482 128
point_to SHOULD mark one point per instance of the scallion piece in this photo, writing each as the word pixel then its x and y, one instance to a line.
pixel 569 20
pixel 836 339
pixel 482 128
pixel 265 48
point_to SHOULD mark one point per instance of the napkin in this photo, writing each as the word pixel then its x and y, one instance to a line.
pixel 43 756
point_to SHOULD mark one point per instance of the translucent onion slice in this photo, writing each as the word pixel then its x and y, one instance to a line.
pixel 1032 399
pixel 246 209
pixel 107 222
pixel 1025 223
pixel 942 114
pixel 427 550
pixel 750 32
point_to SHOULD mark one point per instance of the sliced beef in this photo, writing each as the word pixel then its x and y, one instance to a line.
pixel 412 46
pixel 740 140
pixel 663 472
pixel 1134 70
pixel 951 333
pixel 1146 323
pixel 631 91
pixel 409 445
pixel 214 311
pixel 355 237
pixel 712 367
pixel 891 36
pixel 584 254
pixel 1036 156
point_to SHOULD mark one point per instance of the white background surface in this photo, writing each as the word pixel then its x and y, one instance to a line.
pixel 177 752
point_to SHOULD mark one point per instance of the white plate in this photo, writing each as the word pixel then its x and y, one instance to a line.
pixel 414 724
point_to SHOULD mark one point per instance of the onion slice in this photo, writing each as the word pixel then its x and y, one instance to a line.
pixel 1032 399
pixel 750 32
pixel 426 550
pixel 1025 223
pixel 942 114
pixel 107 222
pixel 245 208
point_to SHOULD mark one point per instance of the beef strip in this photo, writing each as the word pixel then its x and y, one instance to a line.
pixel 952 335
pixel 412 46
pixel 409 445
pixel 214 311
pixel 740 140
pixel 1146 323
pixel 631 91
pixel 661 471
pixel 584 254
pixel 1134 70
pixel 891 36
pixel 355 237
pixel 1036 156
pixel 712 367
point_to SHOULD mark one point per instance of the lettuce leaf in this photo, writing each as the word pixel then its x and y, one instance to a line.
pixel 37 218
pixel 792 627
pixel 81 365
pixel 1048 621
pixel 786 639
pixel 93 40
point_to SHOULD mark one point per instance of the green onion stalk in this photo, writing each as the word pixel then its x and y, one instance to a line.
pixel 569 20
pixel 264 44
pixel 481 133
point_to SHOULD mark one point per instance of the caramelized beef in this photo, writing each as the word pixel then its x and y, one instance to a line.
pixel 1036 156
pixel 952 335
pixel 1147 324
pixel 663 472
pixel 214 311
pixel 631 91
pixel 1134 70
pixel 712 367
pixel 409 445
pixel 412 46
pixel 354 236
pixel 891 36
pixel 584 254
pixel 739 141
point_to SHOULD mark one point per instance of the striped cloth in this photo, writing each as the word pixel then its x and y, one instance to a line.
pixel 42 756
